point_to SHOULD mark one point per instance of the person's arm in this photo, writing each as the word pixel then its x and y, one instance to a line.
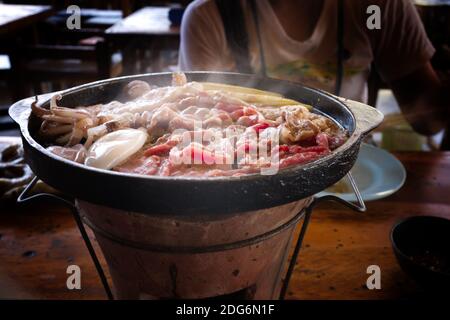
pixel 402 53
pixel 423 100
pixel 203 45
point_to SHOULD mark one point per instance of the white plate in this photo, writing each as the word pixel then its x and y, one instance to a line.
pixel 377 173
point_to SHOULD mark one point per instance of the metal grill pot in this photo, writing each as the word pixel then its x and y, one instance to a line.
pixel 190 237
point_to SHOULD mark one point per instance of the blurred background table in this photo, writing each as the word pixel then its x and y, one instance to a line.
pixel 15 16
pixel 147 22
pixel 38 242
pixel 147 30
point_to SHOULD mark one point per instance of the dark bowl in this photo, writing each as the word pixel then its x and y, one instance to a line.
pixel 422 247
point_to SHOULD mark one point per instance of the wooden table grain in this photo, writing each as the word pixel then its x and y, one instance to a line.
pixel 38 242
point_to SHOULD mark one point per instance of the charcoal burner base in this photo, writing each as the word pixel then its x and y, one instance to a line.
pixel 241 256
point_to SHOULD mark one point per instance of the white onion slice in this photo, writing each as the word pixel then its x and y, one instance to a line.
pixel 115 148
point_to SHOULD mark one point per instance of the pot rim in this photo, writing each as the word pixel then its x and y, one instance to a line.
pixel 23 117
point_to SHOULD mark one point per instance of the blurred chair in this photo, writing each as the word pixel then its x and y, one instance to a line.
pixel 6 122
pixel 62 66
pixel 5 68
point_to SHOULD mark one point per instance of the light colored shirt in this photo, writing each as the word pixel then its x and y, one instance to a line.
pixel 397 49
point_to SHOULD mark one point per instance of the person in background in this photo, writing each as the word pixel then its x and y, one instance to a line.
pixel 299 40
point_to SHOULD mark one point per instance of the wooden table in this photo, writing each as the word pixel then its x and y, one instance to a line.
pixel 90 18
pixel 147 22
pixel 147 28
pixel 38 242
pixel 14 17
